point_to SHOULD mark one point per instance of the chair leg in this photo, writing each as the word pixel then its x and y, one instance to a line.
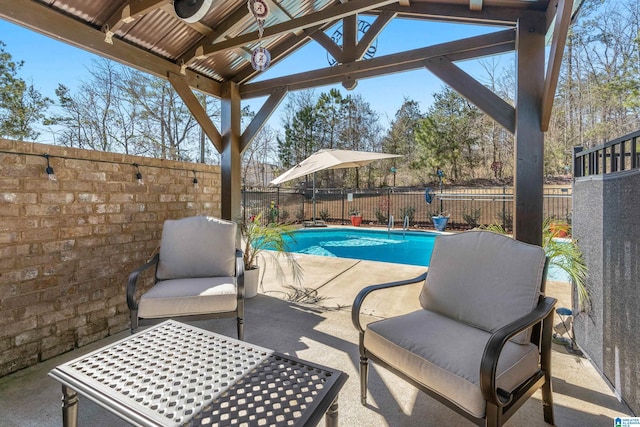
pixel 241 328
pixel 134 320
pixel 364 374
pixel 545 365
pixel 493 417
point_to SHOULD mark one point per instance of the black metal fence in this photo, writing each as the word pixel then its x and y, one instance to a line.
pixel 467 207
pixel 614 156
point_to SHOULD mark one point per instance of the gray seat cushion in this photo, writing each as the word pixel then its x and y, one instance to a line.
pixel 483 279
pixel 186 297
pixel 444 355
pixel 198 246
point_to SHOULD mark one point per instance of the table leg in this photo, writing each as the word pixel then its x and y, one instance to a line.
pixel 69 407
pixel 331 417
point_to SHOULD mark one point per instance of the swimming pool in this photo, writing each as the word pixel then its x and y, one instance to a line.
pixel 410 247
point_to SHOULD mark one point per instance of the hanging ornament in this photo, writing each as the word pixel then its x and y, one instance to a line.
pixel 260 10
pixel 260 59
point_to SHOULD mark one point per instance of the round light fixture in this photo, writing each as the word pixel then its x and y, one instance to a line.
pixel 192 11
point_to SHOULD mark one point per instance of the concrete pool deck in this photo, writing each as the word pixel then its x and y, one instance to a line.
pixel 322 332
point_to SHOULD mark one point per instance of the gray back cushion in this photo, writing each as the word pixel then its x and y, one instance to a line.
pixel 483 279
pixel 198 246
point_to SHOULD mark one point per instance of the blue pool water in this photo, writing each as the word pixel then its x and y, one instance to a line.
pixel 411 247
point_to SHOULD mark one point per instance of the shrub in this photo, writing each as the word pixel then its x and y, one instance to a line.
pixel 409 211
pixel 472 217
pixel 382 217
pixel 324 214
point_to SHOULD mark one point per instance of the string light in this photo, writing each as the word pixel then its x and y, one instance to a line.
pixel 138 174
pixel 195 179
pixel 50 172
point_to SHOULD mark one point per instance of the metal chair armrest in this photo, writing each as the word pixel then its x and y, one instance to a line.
pixel 357 303
pixel 489 364
pixel 133 280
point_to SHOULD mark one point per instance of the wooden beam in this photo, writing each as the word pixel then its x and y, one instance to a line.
pixel 231 159
pixel 43 19
pixel 477 93
pixel 475 4
pixel 374 31
pixel 129 12
pixel 529 138
pixel 221 30
pixel 497 15
pixel 329 45
pixel 261 118
pixel 349 37
pixel 184 91
pixel 312 19
pixel 460 49
pixel 560 31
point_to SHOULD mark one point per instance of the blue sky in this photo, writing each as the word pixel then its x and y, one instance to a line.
pixel 48 62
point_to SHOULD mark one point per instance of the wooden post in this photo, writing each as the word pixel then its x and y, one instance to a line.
pixel 231 153
pixel 529 138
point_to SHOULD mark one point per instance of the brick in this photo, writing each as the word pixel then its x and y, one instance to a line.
pixel 62 345
pixel 107 208
pixel 79 231
pixel 41 210
pixel 18 327
pixel 18 198
pixel 90 306
pixel 56 316
pixel 39 235
pixel 121 198
pixel 9 210
pixel 165 198
pixel 57 198
pixel 78 186
pixel 18 358
pixel 59 245
pixel 32 336
pixel 77 209
pixel 92 198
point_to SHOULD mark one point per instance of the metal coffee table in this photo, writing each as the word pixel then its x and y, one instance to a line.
pixel 179 375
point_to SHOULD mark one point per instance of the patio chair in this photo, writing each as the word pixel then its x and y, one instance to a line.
pixel 481 342
pixel 199 274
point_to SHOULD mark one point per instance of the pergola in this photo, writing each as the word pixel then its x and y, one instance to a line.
pixel 213 55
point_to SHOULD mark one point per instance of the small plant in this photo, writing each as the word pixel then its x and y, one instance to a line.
pixel 272 238
pixel 299 215
pixel 284 215
pixel 354 212
pixel 505 219
pixel 381 217
pixel 472 217
pixel 324 214
pixel 408 211
pixel 273 212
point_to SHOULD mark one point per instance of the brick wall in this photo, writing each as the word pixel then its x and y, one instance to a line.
pixel 67 246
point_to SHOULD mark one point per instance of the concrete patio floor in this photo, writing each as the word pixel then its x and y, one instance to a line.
pixel 322 332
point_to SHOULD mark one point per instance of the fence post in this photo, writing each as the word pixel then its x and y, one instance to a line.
pixel 244 204
pixel 342 210
pixel 388 204
pixel 577 163
pixel 278 202
pixel 504 207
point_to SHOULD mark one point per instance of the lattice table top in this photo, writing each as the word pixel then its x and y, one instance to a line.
pixel 178 375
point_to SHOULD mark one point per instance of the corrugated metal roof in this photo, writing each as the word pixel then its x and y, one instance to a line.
pixel 160 32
